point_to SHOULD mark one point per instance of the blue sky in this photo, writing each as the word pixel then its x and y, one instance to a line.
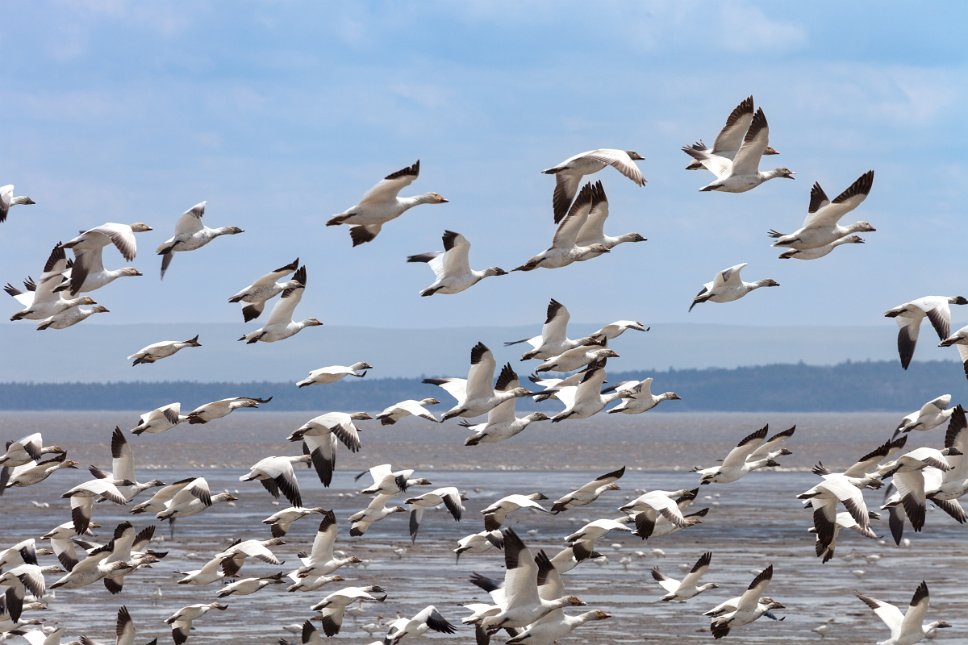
pixel 280 114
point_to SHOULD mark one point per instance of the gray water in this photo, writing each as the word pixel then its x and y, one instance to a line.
pixel 752 523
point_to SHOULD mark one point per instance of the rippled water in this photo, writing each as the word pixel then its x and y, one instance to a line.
pixel 752 523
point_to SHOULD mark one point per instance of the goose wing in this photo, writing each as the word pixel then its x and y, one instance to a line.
pixel 697 571
pixel 593 230
pixel 122 458
pixel 830 213
pixel 481 373
pixel 747 159
pixel 751 596
pixel 390 186
pixel 521 575
pixel 620 161
pixel 455 260
pixel 729 278
pixel 284 308
pixel 191 221
pixel 738 455
pixel 568 229
pixel 730 138
pixel 887 612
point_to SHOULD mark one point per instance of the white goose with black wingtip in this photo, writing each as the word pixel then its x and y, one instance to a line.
pixel 333 373
pixel 592 232
pixel 223 407
pixel 256 294
pixel 88 272
pixel 907 628
pixel 320 436
pixel 568 173
pixel 449 496
pixel 502 420
pixel 191 234
pixel 161 349
pixel 452 267
pixel 743 609
pixel 909 316
pixel 277 476
pixel 564 249
pixel 728 286
pixel 820 226
pixel 333 606
pixel 730 138
pixel 553 339
pixel 280 324
pixel 475 395
pixel 689 586
pixel 8 199
pixel 588 493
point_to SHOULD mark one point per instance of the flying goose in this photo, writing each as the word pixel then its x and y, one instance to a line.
pixel 122 468
pixel 585 399
pixel 82 499
pixel 247 586
pixel 730 138
pixel 930 415
pixel 502 421
pixel 819 251
pixel 568 173
pixel 743 609
pixel 907 628
pixel 321 559
pixel 452 267
pixel 742 172
pixel 576 358
pixel 592 231
pixel 617 328
pixel 386 481
pixel 588 493
pixel 426 619
pixel 727 286
pixel 160 419
pixel 638 397
pixel 689 586
pixel 320 435
pixel 161 349
pixel 20 580
pixel 909 316
pixel 649 506
pixel 280 324
pixel 381 204
pixel 960 340
pixel 333 373
pixel 277 476
pixel 280 521
pixel 401 409
pixel 333 606
pixel 497 513
pixel 42 299
pixel 181 620
pixel 553 339
pixel 269 285
pixel 449 496
pixel 475 395
pixel 7 199
pixel 564 248
pixel 479 542
pixel 124 629
pixel 824 498
pixel 70 317
pixel 191 234
pixel 375 511
pixel 34 472
pixel 820 226
pixel 844 520
pixel 222 407
pixel 752 452
pixel 27 449
pixel 88 272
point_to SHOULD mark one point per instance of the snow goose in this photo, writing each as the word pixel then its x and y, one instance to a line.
pixel 235 556
pixel 401 409
pixel 916 473
pixel 88 272
pixel 70 317
pixel 960 340
pixel 321 559
pixel 592 231
pixel 497 513
pixel 649 506
pixel 122 468
pixel 844 520
pixel 589 534
pixel 34 472
pixel 730 138
pixel 386 481
pixel 277 476
pixel 824 497
pixel 502 421
pixel 751 453
pixel 210 572
pixel 727 286
pixel 160 419
pixel 475 395
pixel 7 199
pixel 381 204
pixel 375 511
pixel 131 548
pixel 617 328
pixel 181 620
pixel 638 397
pixel 907 628
pixel 588 493
pixel 20 580
pixel 159 501
pixel 82 499
pixel 280 324
pixel 333 373
pixel 161 349
pixel 27 449
pixel 89 570
pixel 269 285
pixel 320 435
pixel 689 586
pixel 910 314
pixel 553 385
pixel 223 407
pixel 645 528
pixel 42 299
pixel 564 248
pixel 585 399
pixel 191 234
pixel 452 267
pixel 954 482
pixel 820 226
pixel 553 339
pixel 819 251
pixel 426 619
pixel 568 173
pixel 333 606
pixel 480 542
pixel 449 496
pixel 280 521
pixel 931 415
pixel 576 358
pixel 744 609
pixel 742 172
pixel 247 586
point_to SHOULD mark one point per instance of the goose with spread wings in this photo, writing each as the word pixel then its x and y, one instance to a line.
pixel 88 272
pixel 568 173
pixel 820 226
pixel 730 138
pixel 728 286
pixel 260 291
pixel 280 324
pixel 909 316
pixel 907 628
pixel 452 267
pixel 475 395
pixel 191 234
pixel 565 249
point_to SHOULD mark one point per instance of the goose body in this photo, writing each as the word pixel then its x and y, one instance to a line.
pixel 638 398
pixel 277 476
pixel 409 407
pixel 727 286
pixel 743 609
pixel 568 174
pixel 588 493
pixel 452 267
pixel 27 449
pixel 70 317
pixel 502 421
pixel 553 339
pixel 592 232
pixel 322 559
pixel 161 349
pixel 820 251
pixel 565 249
pixel 821 224
pixel 191 234
pixel 160 419
pixel 222 407
pixel 585 399
pixel 320 435
pixel 333 606
pixel 907 628
pixel 930 415
pixel 43 299
pixel 689 586
pixel 751 453
pixel 449 496
pixel 475 395
pixel 34 472
pixel 181 620
pixel 424 620
pixel 333 373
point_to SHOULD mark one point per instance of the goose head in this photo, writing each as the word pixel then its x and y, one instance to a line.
pixel 537 416
pixel 768 282
pixel 958 300
pixel 360 416
pixel 140 227
pixel 491 271
pixel 311 322
pixel 129 272
pixel 434 198
pixel 634 156
pixel 361 365
pixel 784 172
pixel 429 401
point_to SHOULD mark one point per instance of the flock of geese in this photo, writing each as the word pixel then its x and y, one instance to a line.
pixel 530 603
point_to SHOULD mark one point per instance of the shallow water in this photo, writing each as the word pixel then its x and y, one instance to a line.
pixel 753 522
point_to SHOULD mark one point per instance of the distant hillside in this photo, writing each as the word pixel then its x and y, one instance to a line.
pixel 849 386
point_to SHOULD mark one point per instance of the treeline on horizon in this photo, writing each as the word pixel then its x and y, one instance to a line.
pixel 847 387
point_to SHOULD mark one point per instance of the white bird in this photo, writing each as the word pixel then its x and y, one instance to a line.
pixel 730 138
pixel 754 451
pixel 269 285
pixel 960 340
pixel 161 349
pixel 426 619
pixel 7 199
pixel 931 415
pixel 191 234
pixel 381 204
pixel 333 373
pixel 742 172
pixel 497 513
pixel 70 317
pixel 907 628
pixel 277 476
pixel 689 586
pixel 728 286
pixel 20 580
pixel 27 449
pixel 82 499
pixel 592 231
pixel 280 324
pixel 588 493
pixel 88 272
pixel 247 586
pixel 280 521
pixel 320 435
pixel 480 542
pixel 568 173
pixel 502 421
pixel 475 395
pixel 42 299
pixel 820 251
pixel 160 419
pixel 585 399
pixel 33 472
pixel 910 314
pixel 122 468
pixel 333 606
pixel 553 339
pixel 824 497
pixel 617 328
pixel 844 520
pixel 449 496
pixel 321 560
pixel 650 506
pixel 386 481
pixel 576 358
pixel 743 609
pixel 638 398
pixel 401 409
pixel 181 620
pixel 452 267
pixel 820 226
pixel 222 407
pixel 564 248
pixel 589 534
pixel 375 511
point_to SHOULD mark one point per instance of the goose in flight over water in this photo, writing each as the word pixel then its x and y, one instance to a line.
pixel 191 234
pixel 568 173
pixel 475 395
pixel 381 204
pixel 909 316
pixel 907 628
